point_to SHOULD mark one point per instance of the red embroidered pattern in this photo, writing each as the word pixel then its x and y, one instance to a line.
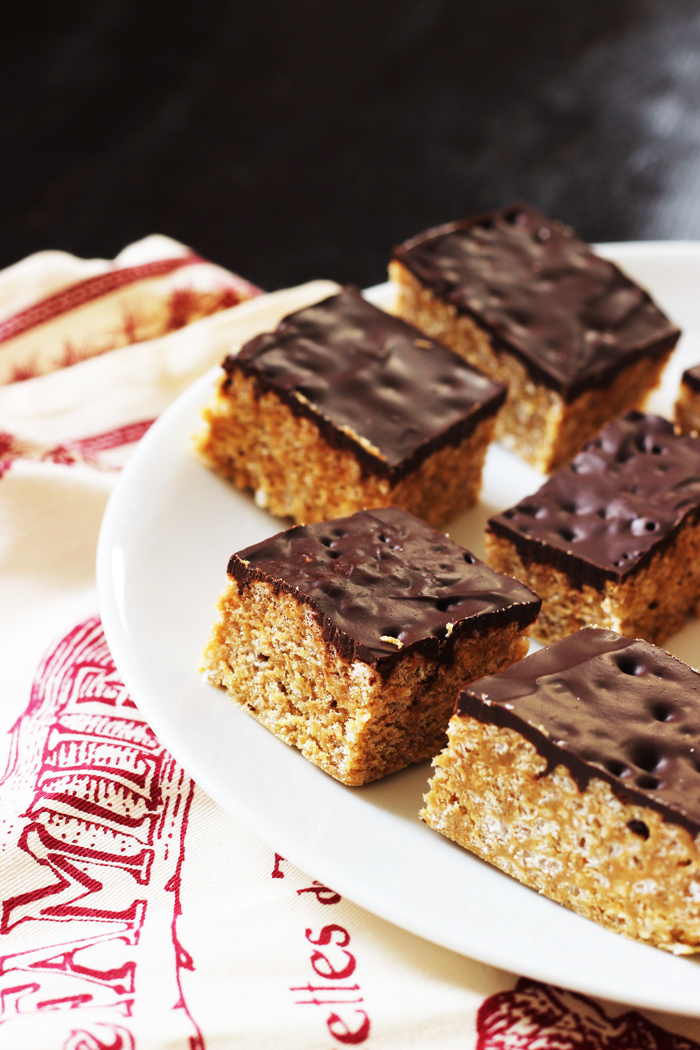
pixel 82 450
pixel 347 1022
pixel 96 812
pixel 83 292
pixel 87 449
pixel 534 1016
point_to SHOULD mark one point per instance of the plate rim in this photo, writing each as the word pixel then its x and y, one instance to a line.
pixel 117 633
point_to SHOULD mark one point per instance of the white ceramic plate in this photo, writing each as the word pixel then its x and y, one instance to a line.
pixel 167 535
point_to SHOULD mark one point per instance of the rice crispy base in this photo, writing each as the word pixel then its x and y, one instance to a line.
pixel 260 445
pixel 651 603
pixel 268 651
pixel 489 794
pixel 535 422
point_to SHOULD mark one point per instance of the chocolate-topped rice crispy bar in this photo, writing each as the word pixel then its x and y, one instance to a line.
pixel 577 771
pixel 614 538
pixel 351 638
pixel 345 407
pixel 519 297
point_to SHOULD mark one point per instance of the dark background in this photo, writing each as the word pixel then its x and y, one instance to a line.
pixel 295 140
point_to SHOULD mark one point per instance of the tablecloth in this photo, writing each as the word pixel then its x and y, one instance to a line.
pixel 134 912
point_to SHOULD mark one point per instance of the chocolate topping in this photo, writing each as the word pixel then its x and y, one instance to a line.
pixel 370 382
pixel 383 582
pixel 573 318
pixel 691 378
pixel 615 505
pixel 605 706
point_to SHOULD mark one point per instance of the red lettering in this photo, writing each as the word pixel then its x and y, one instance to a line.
pixel 68 863
pixel 327 1002
pixel 332 974
pixel 308 987
pixel 121 980
pixel 318 958
pixel 326 935
pixel 10 999
pixel 277 872
pixel 324 895
pixel 344 1034
pixel 336 937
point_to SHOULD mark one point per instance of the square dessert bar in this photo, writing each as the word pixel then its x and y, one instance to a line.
pixel 346 407
pixel 522 299
pixel 577 771
pixel 351 638
pixel 688 403
pixel 614 538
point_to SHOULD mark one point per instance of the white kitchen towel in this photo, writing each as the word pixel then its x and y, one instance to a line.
pixel 134 912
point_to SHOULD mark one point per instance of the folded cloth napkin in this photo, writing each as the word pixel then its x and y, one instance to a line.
pixel 134 912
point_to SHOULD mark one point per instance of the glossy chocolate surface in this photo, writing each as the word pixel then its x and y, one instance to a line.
pixel 605 706
pixel 385 574
pixel 616 504
pixel 370 382
pixel 573 318
pixel 691 378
